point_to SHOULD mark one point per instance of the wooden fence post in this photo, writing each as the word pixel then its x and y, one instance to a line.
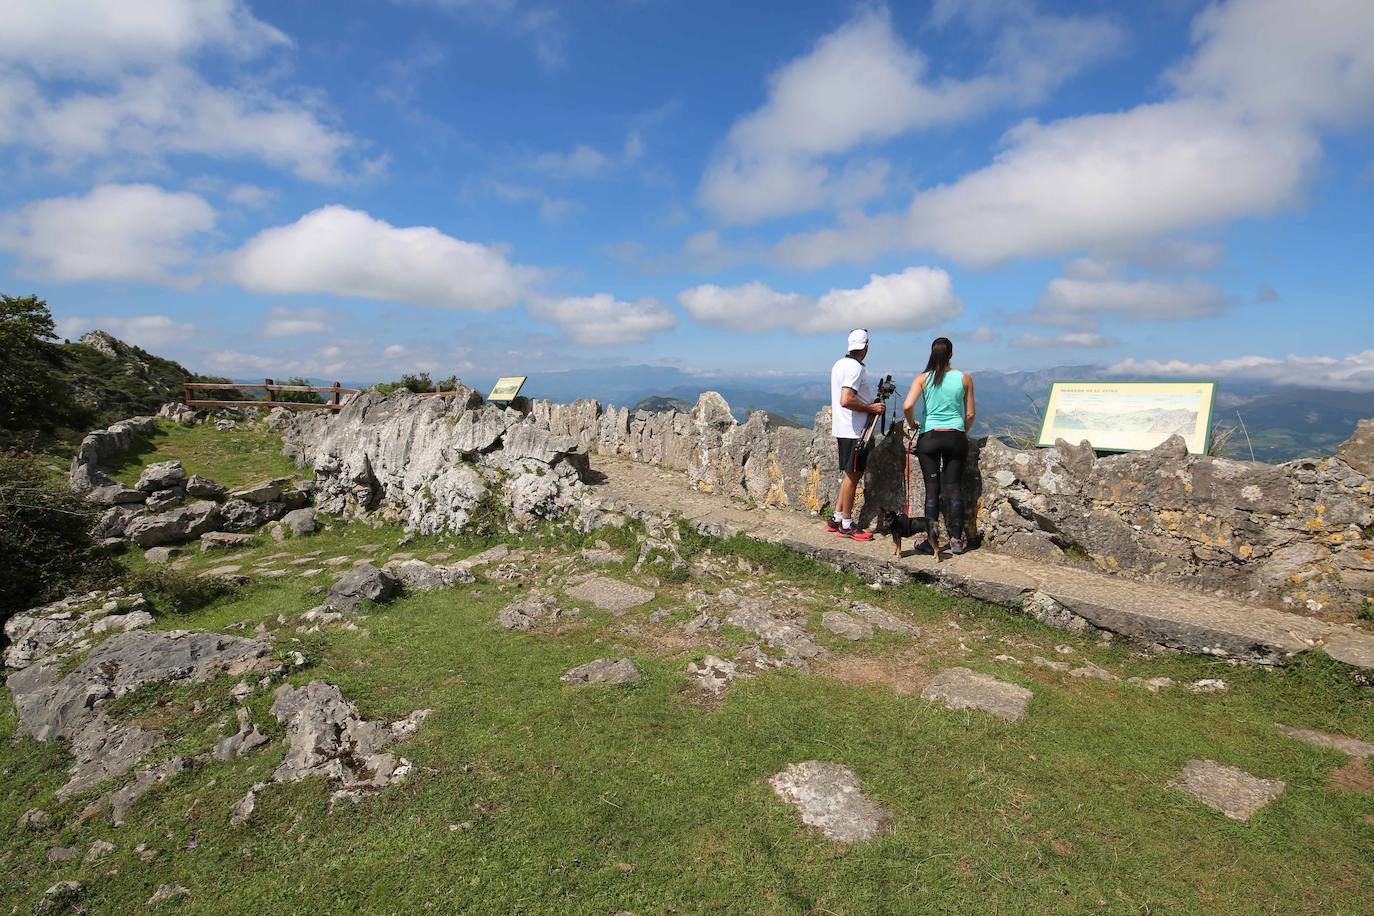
pixel 186 392
pixel 270 392
pixel 334 396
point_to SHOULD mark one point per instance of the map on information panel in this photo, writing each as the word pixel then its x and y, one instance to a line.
pixel 1129 416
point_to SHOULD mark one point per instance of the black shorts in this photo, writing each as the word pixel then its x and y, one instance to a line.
pixel 853 455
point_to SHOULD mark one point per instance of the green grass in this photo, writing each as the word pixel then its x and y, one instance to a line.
pixel 238 457
pixel 596 800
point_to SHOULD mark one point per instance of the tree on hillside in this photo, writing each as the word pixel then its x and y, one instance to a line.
pixel 419 383
pixel 298 397
pixel 29 389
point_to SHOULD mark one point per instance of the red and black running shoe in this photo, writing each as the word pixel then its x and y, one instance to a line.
pixel 832 525
pixel 855 534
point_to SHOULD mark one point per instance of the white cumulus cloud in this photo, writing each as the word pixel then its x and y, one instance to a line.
pixel 96 36
pixel 915 299
pixel 1354 372
pixel 1074 300
pixel 1081 181
pixel 1074 340
pixel 350 253
pixel 288 321
pixel 1238 137
pixel 146 331
pixel 862 84
pixel 601 320
pixel 114 232
pixel 83 81
pixel 750 307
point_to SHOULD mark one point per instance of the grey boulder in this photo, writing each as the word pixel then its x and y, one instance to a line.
pixel 362 583
pixel 265 492
pixel 175 527
pixel 300 521
pixel 162 500
pixel 112 494
pixel 161 476
pixel 203 487
pixel 242 515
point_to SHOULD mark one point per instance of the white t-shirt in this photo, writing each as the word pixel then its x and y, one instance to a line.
pixel 848 373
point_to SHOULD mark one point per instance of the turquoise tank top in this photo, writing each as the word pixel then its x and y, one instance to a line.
pixel 944 404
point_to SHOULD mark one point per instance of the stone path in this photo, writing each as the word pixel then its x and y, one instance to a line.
pixel 1141 612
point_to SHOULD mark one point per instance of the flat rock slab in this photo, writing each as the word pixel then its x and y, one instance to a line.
pixel 960 688
pixel 610 594
pixel 828 797
pixel 1232 791
pixel 604 671
pixel 1352 746
pixel 841 624
pixel 881 618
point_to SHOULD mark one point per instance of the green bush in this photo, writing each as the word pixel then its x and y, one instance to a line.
pixel 177 592
pixel 418 383
pixel 46 549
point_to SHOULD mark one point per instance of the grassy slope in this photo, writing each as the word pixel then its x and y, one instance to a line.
pixel 237 457
pixel 596 800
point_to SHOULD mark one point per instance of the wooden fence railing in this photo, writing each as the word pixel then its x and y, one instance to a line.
pixel 333 395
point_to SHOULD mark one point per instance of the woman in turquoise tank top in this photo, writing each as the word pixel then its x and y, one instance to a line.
pixel 945 396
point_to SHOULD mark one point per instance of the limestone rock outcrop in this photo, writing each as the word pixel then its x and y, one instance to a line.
pixel 430 462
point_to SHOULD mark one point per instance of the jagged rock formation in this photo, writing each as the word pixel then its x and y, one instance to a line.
pixel 325 736
pixel 430 462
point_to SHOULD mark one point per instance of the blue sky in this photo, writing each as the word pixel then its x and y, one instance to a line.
pixel 359 189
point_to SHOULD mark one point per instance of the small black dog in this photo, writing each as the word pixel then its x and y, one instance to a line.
pixel 907 526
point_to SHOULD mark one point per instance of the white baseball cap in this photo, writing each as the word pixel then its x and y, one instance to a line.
pixel 858 339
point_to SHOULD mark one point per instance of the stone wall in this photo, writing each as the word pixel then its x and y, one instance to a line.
pixel 1292 534
pixel 1297 534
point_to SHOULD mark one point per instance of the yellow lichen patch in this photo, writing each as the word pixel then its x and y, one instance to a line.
pixel 812 494
pixel 1245 551
pixel 777 492
pixel 1315 524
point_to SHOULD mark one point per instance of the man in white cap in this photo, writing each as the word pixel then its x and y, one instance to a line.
pixel 851 410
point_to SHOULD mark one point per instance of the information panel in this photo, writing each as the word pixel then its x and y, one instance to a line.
pixel 506 388
pixel 1129 416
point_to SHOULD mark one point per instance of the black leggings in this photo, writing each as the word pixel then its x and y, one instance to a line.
pixel 941 453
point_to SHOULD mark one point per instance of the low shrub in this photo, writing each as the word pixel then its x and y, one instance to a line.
pixel 176 592
pixel 46 549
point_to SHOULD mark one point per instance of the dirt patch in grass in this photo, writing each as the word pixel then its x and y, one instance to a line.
pixel 1353 777
pixel 903 673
